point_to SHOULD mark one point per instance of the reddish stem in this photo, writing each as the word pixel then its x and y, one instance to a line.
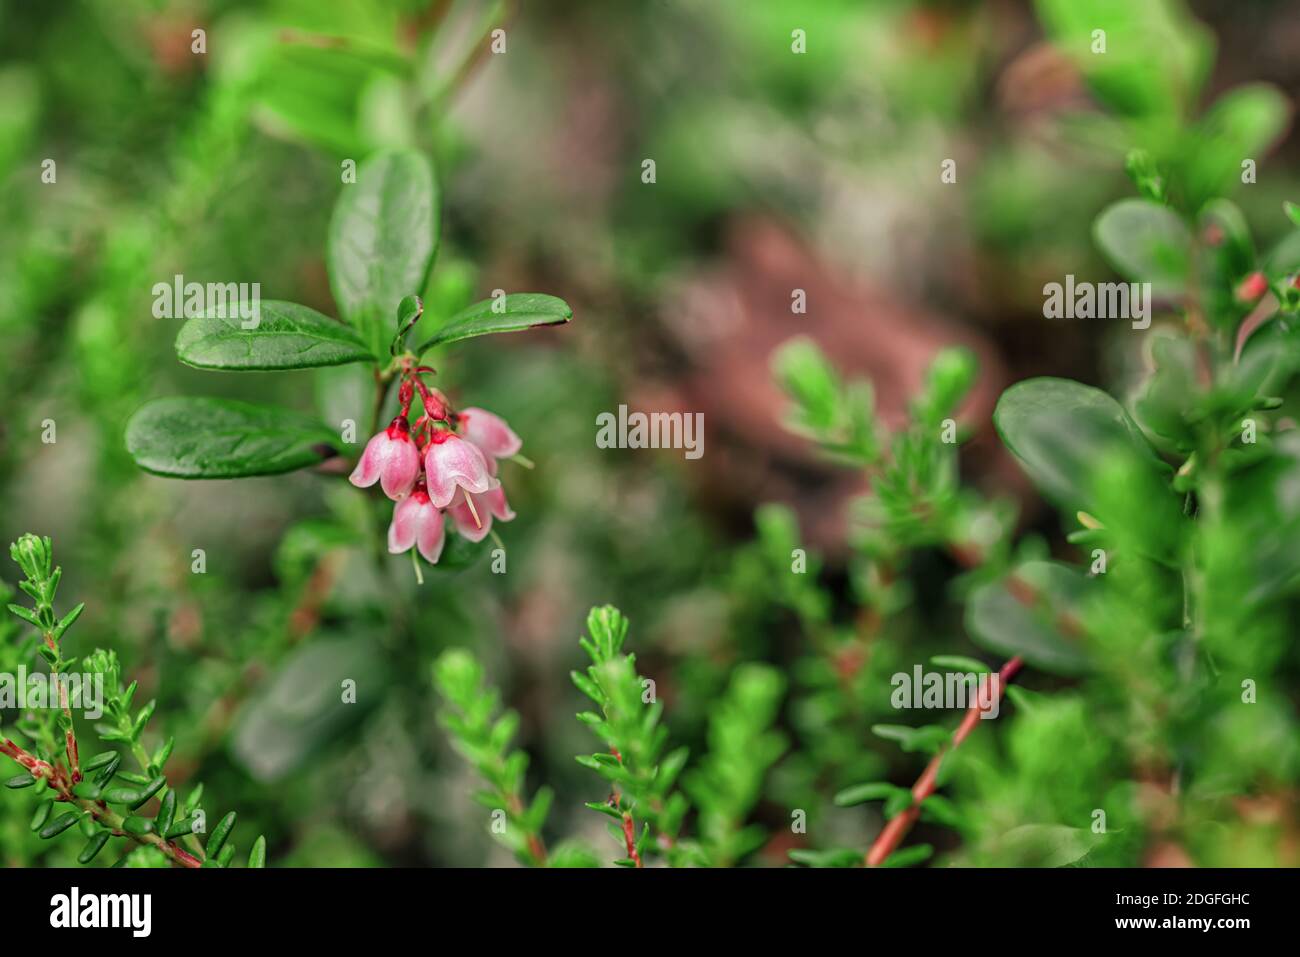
pixel 69 736
pixel 59 780
pixel 629 837
pixel 894 831
pixel 629 827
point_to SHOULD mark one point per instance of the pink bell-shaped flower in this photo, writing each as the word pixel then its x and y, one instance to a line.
pixel 473 513
pixel 391 459
pixel 416 521
pixel 450 463
pixel 490 433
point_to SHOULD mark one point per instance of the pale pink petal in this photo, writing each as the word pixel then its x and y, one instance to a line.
pixel 490 433
pixel 452 462
pixel 401 467
pixel 430 535
pixel 464 518
pixel 405 524
pixel 494 499
pixel 367 471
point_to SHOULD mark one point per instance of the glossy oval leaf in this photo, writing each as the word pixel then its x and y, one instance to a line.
pixel 201 438
pixel 1060 430
pixel 286 336
pixel 382 241
pixel 295 713
pixel 507 314
pixel 1002 620
pixel 1146 242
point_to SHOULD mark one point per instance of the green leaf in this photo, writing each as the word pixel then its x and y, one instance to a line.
pixel 41 813
pixel 1060 429
pixel 861 793
pixel 1167 405
pixel 318 94
pixel 841 418
pixel 382 240
pixel 296 710
pixel 93 847
pixel 604 808
pixel 153 788
pixel 835 857
pixel 1146 174
pixel 927 738
pixel 104 776
pixel 409 311
pixel 138 825
pixel 997 619
pixel 166 812
pixel 949 378
pixel 940 810
pixel 288 336
pixel 181 828
pixel 1157 54
pixel 1292 212
pixel 219 834
pixel 1146 242
pixel 960 663
pixel 257 856
pixel 200 438
pixel 66 622
pixel 59 825
pixel 572 855
pixel 1244 122
pixel 127 796
pixel 1047 845
pixel 27 615
pixel 512 313
pixel 907 856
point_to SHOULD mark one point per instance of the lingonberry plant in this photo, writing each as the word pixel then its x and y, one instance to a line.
pixel 383 240
pixel 1170 629
pixel 97 795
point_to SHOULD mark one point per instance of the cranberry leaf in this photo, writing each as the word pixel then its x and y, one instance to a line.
pixel 289 719
pixel 523 310
pixel 1146 242
pixel 201 438
pixel 999 618
pixel 1059 431
pixel 286 336
pixel 382 241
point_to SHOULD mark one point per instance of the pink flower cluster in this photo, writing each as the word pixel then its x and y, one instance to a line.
pixel 447 463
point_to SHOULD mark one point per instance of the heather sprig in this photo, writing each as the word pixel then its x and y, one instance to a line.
pixel 643 802
pixel 743 746
pixel 99 797
pixel 482 733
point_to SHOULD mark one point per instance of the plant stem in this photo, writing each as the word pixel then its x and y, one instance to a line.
pixel 69 736
pixel 894 831
pixel 58 780
pixel 629 838
pixel 536 847
pixel 382 382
